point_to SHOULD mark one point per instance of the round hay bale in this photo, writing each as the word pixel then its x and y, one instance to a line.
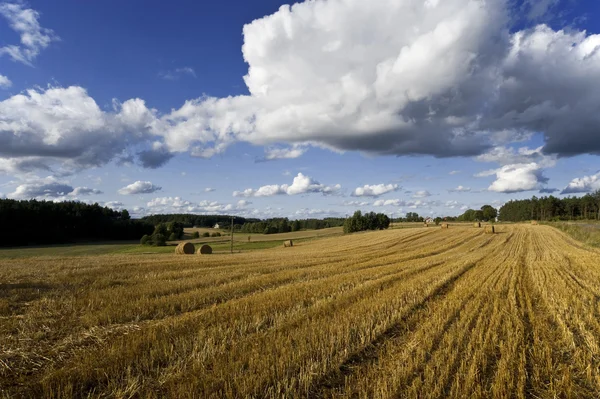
pixel 205 250
pixel 490 229
pixel 425 225
pixel 185 248
pixel 477 224
pixel 445 225
pixel 288 243
pixel 534 222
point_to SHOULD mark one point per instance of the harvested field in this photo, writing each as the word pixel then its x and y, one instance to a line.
pixel 408 313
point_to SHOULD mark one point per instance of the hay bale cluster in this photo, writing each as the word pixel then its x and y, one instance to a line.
pixel 288 243
pixel 185 248
pixel 445 225
pixel 205 250
pixel 477 224
pixel 490 229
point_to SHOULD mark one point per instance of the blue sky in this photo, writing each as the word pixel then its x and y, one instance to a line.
pixel 312 110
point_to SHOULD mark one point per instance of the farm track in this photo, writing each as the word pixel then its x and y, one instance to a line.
pixel 413 313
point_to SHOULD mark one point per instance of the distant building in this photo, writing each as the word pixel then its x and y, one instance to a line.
pixel 217 226
pixel 429 220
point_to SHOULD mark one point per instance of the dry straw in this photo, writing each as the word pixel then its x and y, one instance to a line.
pixel 445 225
pixel 185 248
pixel 490 229
pixel 205 250
pixel 534 222
pixel 425 225
pixel 477 224
pixel 288 243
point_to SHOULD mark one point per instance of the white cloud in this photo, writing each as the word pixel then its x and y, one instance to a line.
pixel 65 123
pixel 461 189
pixel 177 73
pixel 454 172
pixel 274 153
pixel 421 194
pixel 518 177
pixel 139 187
pixel 34 38
pixel 301 185
pixel 209 190
pixel 85 191
pixel 4 82
pixel 583 184
pixel 374 190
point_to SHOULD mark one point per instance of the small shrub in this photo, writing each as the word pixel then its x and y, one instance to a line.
pixel 172 237
pixel 195 234
pixel 145 240
pixel 206 234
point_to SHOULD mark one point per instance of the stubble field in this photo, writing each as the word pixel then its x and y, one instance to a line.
pixel 406 313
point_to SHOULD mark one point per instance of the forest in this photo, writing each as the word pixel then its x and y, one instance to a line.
pixel 46 222
pixel 551 208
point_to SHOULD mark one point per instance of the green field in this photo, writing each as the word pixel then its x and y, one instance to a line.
pixel 218 244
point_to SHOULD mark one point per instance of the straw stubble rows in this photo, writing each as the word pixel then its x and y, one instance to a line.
pixel 404 313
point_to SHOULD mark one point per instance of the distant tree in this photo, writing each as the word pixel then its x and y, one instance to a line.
pixel 172 237
pixel 145 240
pixel 489 212
pixel 196 234
pixel 368 221
pixel 206 234
pixel 125 214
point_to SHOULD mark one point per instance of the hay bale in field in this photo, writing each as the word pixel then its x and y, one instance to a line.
pixel 535 222
pixel 288 243
pixel 185 248
pixel 490 229
pixel 205 250
pixel 425 225
pixel 477 224
pixel 445 225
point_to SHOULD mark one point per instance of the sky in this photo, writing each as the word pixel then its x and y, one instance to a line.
pixel 312 109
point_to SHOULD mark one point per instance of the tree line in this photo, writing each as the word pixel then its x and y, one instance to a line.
pixel 284 225
pixel 191 220
pixel 550 208
pixel 44 222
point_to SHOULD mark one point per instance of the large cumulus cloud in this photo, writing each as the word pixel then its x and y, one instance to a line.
pixel 445 78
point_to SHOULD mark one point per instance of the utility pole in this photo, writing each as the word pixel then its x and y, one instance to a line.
pixel 232 234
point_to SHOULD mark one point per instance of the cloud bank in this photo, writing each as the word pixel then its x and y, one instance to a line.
pixel 388 78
